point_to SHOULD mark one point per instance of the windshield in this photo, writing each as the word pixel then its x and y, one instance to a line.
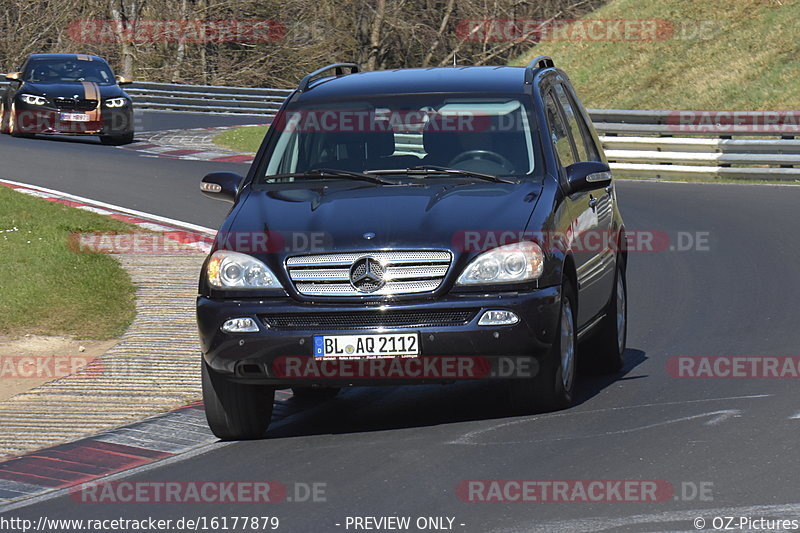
pixel 491 136
pixel 67 71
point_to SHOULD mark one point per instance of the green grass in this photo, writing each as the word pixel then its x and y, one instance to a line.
pixel 244 139
pixel 47 288
pixel 750 62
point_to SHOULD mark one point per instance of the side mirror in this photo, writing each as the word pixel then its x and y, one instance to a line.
pixel 13 76
pixel 588 175
pixel 122 80
pixel 221 185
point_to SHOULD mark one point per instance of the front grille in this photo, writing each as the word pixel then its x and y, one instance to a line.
pixel 75 104
pixel 397 272
pixel 370 319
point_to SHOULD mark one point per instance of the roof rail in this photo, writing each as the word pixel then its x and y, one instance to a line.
pixel 338 69
pixel 539 62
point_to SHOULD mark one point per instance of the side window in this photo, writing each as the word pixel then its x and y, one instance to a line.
pixel 558 132
pixel 580 133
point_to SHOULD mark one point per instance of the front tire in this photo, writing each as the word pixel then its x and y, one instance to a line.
pixel 3 117
pixel 236 411
pixel 117 140
pixel 13 127
pixel 551 389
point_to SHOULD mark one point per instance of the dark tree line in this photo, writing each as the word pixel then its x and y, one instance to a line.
pixel 272 42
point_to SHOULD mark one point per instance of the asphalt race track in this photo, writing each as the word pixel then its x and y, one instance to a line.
pixel 728 446
pixel 82 166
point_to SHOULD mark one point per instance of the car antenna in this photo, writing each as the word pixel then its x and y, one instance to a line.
pixel 454 59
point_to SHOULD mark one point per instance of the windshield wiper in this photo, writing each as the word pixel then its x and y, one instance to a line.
pixel 426 170
pixel 334 173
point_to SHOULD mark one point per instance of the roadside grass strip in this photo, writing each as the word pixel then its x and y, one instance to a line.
pixel 245 139
pixel 48 288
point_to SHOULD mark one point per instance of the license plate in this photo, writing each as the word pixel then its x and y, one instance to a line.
pixel 75 117
pixel 373 345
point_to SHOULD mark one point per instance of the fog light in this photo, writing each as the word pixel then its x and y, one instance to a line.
pixel 498 318
pixel 240 325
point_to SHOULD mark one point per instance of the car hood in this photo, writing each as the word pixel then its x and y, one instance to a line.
pixel 341 216
pixel 69 90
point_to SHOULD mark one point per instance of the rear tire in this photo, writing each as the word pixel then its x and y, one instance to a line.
pixel 604 351
pixel 117 140
pixel 551 389
pixel 316 394
pixel 236 411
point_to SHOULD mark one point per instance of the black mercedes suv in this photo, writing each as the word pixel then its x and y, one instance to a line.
pixel 414 226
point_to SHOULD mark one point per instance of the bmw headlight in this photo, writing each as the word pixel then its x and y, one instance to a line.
pixel 512 263
pixel 234 270
pixel 33 99
pixel 115 102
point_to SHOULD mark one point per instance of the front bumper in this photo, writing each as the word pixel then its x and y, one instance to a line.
pixel 44 119
pixel 259 356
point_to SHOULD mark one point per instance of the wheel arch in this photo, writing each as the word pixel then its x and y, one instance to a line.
pixel 570 273
pixel 623 249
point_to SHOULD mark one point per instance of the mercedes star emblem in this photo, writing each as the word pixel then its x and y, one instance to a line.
pixel 366 275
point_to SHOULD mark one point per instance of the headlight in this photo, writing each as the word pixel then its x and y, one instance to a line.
pixel 115 102
pixel 33 99
pixel 232 270
pixel 512 263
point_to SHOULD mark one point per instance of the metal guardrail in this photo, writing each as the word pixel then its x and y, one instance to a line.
pixel 180 98
pixel 691 144
pixel 682 123
pixel 638 143
pixel 174 97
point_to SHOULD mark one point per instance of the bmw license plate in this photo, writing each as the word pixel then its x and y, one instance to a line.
pixel 373 345
pixel 75 117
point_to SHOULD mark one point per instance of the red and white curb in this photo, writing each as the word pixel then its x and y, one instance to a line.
pixel 188 153
pixel 52 472
pixel 85 460
pixel 200 153
pixel 190 235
